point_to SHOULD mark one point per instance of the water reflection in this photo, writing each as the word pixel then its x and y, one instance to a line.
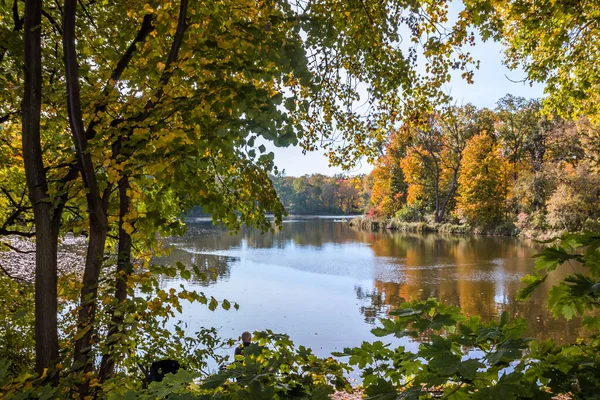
pixel 379 269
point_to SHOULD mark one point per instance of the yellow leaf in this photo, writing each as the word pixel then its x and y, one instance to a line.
pixel 127 227
pixel 160 66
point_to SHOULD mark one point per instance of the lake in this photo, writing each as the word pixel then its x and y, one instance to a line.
pixel 326 284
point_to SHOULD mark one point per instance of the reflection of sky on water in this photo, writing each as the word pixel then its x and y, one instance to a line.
pixel 326 285
pixel 349 259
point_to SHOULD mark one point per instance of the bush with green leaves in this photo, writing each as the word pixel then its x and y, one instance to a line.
pixel 273 368
pixel 458 358
pixel 16 325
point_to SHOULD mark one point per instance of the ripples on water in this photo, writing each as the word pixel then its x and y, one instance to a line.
pixel 326 284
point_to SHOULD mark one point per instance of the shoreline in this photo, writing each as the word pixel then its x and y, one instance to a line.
pixel 18 263
pixel 395 225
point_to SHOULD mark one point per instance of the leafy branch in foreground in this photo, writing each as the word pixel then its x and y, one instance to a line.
pixel 459 358
pixel 579 292
pixel 462 358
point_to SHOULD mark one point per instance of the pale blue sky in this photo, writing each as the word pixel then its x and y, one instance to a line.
pixel 491 83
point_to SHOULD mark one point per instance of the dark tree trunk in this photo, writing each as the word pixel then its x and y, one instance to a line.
pixel 537 149
pixel 83 358
pixel 451 191
pixel 46 331
pixel 124 270
pixel 436 189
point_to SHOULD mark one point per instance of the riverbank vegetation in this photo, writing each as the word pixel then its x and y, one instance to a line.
pixel 117 117
pixel 509 170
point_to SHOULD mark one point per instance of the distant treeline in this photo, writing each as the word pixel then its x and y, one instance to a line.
pixel 321 194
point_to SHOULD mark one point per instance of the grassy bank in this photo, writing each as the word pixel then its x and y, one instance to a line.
pixel 374 224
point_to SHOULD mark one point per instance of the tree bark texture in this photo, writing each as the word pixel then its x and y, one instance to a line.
pixel 46 330
pixel 96 207
pixel 124 270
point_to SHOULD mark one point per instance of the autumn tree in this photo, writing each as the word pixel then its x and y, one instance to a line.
pixel 555 43
pixel 434 154
pixel 388 192
pixel 482 184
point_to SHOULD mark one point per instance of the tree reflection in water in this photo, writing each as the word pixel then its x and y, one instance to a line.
pixel 479 274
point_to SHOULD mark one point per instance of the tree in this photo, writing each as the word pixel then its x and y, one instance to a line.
pixel 555 43
pixel 389 188
pixel 46 217
pixel 524 132
pixel 482 183
pixel 435 151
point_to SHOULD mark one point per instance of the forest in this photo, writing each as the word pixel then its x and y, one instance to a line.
pixel 118 117
pixel 320 194
pixel 511 167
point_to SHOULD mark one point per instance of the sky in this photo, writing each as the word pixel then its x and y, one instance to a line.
pixel 492 81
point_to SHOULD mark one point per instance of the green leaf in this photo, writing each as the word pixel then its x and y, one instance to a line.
pixel 468 368
pixel 508 387
pixel 551 257
pixel 405 312
pixel 212 305
pixel 226 304
pixel 532 282
pixel 506 352
pixel 446 364
pixel 185 274
pixel 382 389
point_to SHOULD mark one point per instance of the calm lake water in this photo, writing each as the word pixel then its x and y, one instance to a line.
pixel 326 284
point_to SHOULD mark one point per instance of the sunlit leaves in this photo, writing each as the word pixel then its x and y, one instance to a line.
pixel 577 292
pixel 482 191
pixel 556 43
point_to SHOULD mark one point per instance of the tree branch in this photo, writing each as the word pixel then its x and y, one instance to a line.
pixel 17 249
pixel 173 54
pixel 115 76
pixel 6 117
pixel 14 278
pixel 87 14
pixel 15 14
pixel 78 132
pixel 6 232
pixel 52 21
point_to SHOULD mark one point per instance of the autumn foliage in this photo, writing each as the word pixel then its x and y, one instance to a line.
pixel 514 167
pixel 482 183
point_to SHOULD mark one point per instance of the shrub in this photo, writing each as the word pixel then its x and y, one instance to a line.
pixel 408 214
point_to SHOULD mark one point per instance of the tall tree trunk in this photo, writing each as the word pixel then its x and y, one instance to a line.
pixel 124 270
pixel 83 358
pixel 436 182
pixel 46 330
pixel 450 193
pixel 537 149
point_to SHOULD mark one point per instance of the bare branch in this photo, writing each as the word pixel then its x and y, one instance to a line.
pixel 14 278
pixel 87 14
pixel 52 21
pixel 6 117
pixel 6 232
